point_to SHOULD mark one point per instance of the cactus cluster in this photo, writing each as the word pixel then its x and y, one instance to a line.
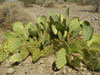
pixel 72 40
pixel 75 42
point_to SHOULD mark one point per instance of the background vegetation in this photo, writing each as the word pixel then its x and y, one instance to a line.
pixel 80 2
pixel 2 0
pixel 11 12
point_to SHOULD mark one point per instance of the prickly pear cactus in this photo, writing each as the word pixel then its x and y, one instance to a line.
pixel 87 32
pixel 21 55
pixel 91 59
pixel 47 51
pixel 61 58
pixel 3 54
pixel 95 38
pixel 35 55
pixel 18 26
pixel 15 58
pixel 74 25
pixel 13 44
pixel 24 52
pixel 73 41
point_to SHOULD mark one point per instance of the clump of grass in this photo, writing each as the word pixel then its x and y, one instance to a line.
pixel 11 12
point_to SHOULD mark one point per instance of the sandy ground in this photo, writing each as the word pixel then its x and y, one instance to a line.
pixel 44 65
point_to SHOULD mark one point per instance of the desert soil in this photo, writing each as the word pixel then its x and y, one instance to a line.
pixel 44 65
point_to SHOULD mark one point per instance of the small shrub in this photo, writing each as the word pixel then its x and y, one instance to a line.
pixel 11 12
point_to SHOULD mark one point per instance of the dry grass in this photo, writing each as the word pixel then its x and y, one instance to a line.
pixel 11 12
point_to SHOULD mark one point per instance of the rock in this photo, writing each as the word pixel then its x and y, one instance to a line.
pixel 64 71
pixel 86 73
pixel 10 71
pixel 69 70
pixel 84 69
pixel 54 73
pixel 96 18
pixel 41 62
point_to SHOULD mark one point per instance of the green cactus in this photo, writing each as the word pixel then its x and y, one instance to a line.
pixel 60 35
pixel 85 23
pixel 59 26
pixel 61 58
pixel 13 44
pixel 91 59
pixel 54 29
pixel 3 55
pixel 61 44
pixel 35 55
pixel 17 26
pixel 53 15
pixel 47 51
pixel 21 55
pixel 74 61
pixel 41 19
pixel 87 32
pixel 67 15
pixel 73 40
pixel 74 25
pixel 24 53
pixel 77 46
pixel 95 46
pixel 95 38
pixel 15 58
